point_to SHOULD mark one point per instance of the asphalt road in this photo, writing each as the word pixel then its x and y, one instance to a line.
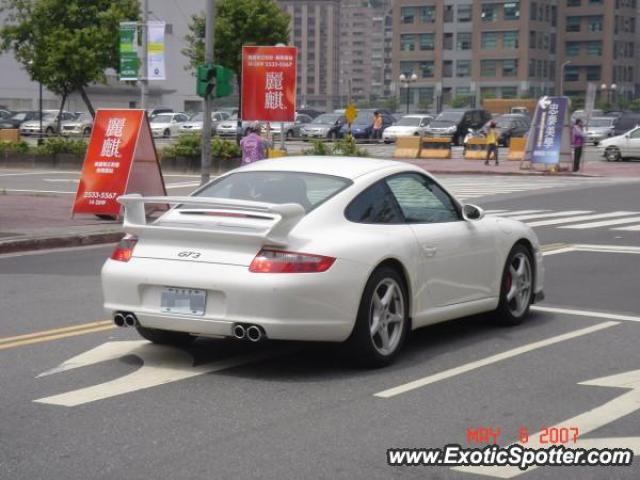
pixel 225 409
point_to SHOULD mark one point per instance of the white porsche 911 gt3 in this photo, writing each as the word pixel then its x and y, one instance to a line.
pixel 318 249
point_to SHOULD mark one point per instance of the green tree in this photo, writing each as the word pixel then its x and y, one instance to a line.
pixel 238 23
pixel 460 101
pixel 390 103
pixel 65 44
pixel 634 106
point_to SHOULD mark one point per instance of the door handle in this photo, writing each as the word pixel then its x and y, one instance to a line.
pixel 429 251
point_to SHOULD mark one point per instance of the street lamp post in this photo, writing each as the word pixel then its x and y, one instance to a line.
pixel 609 91
pixel 564 64
pixel 407 81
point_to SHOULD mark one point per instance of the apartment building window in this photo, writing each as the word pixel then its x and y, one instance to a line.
pixel 489 40
pixel 532 39
pixel 594 73
pixel 594 48
pixel 425 95
pixel 594 24
pixel 554 15
pixel 408 67
pixel 448 13
pixel 427 69
pixel 532 69
pixel 489 92
pixel 465 13
pixel 463 68
pixel 595 2
pixel 447 69
pixel 488 68
pixel 571 73
pixel 510 39
pixel 512 11
pixel 447 43
pixel 533 13
pixel 552 43
pixel 407 43
pixel 510 68
pixel 427 41
pixel 572 49
pixel 463 41
pixel 573 24
pixel 574 3
pixel 489 12
pixel 408 14
pixel 509 92
pixel 428 14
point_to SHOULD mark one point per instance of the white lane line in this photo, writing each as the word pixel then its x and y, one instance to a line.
pixel 604 223
pixel 585 247
pixel 551 215
pixel 38 173
pixel 580 218
pixel 14 190
pixel 453 372
pixel 68 180
pixel 633 228
pixel 586 313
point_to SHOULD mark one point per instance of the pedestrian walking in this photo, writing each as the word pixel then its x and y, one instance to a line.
pixel 376 129
pixel 577 141
pixel 253 146
pixel 492 143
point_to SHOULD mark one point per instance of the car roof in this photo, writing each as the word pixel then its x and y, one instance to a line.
pixel 347 167
pixel 416 115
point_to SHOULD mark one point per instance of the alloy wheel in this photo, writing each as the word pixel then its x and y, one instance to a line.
pixel 518 284
pixel 386 316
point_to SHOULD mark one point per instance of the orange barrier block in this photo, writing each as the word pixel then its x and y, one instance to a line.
pixel 436 148
pixel 516 148
pixel 476 149
pixel 10 135
pixel 407 147
pixel 275 153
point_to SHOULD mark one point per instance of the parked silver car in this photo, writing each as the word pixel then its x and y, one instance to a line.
pixel 49 123
pixel 599 128
pixel 194 125
pixel 292 129
pixel 80 126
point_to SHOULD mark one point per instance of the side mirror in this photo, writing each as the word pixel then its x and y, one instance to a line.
pixel 472 212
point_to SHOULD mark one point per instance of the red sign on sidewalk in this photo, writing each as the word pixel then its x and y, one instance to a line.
pixel 121 158
pixel 269 84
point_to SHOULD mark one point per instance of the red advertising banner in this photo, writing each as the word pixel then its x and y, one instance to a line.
pixel 269 84
pixel 121 158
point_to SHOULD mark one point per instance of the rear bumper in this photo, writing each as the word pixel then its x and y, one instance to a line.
pixel 305 307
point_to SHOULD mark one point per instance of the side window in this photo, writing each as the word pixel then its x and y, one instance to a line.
pixel 375 205
pixel 422 200
pixel 635 133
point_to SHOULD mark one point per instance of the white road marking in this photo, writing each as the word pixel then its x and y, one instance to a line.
pixel 551 215
pixel 468 367
pixel 580 218
pixel 38 173
pixel 586 313
pixel 587 422
pixel 604 223
pixel 64 180
pixel 161 365
pixel 521 212
pixel 584 247
pixel 14 190
pixel 633 228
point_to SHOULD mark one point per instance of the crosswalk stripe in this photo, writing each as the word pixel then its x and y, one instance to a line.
pixel 579 218
pixel 551 215
pixel 632 228
pixel 520 212
pixel 604 223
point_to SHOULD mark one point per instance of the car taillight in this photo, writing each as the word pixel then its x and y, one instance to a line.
pixel 279 261
pixel 124 250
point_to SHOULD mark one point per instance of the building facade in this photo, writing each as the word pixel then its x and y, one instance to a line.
pixel 509 49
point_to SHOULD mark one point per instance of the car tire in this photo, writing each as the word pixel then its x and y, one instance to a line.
pixel 595 144
pixel 289 134
pixel 390 319
pixel 165 337
pixel 166 133
pixel 49 131
pixel 613 154
pixel 518 281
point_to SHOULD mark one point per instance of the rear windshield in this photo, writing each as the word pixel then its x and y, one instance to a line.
pixel 306 189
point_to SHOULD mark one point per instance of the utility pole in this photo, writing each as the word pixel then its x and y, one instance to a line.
pixel 206 120
pixel 144 82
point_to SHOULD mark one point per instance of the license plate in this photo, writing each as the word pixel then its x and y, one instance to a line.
pixel 185 301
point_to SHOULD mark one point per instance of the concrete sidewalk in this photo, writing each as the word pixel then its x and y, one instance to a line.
pixel 31 222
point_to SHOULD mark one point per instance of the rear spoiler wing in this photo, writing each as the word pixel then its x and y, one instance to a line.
pixel 285 216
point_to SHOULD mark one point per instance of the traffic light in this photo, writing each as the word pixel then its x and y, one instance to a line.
pixel 213 79
pixel 205 80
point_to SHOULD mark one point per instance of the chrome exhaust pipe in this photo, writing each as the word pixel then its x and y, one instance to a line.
pixel 130 320
pixel 118 320
pixel 254 333
pixel 239 332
